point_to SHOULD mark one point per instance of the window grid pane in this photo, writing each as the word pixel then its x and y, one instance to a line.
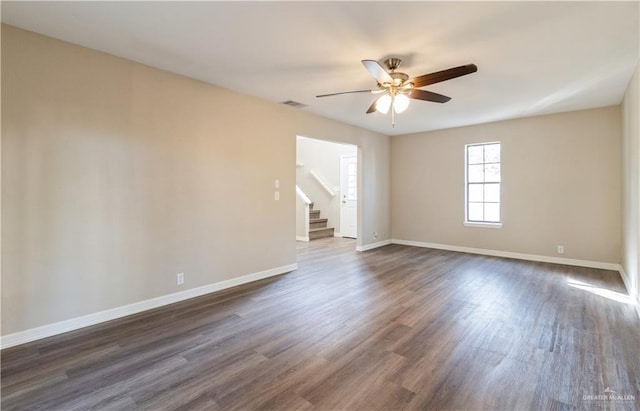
pixel 351 182
pixel 491 192
pixel 475 154
pixel 476 192
pixel 483 182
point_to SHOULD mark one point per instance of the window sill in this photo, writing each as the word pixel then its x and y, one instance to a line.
pixel 482 225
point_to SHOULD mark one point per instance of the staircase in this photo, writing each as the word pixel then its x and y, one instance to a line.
pixel 318 226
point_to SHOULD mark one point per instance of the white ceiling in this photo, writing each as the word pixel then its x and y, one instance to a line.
pixel 532 57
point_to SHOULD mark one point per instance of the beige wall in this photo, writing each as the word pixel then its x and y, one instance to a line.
pixel 323 157
pixel 116 176
pixel 631 186
pixel 561 186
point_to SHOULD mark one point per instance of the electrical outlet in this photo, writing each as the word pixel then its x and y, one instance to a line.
pixel 180 278
pixel 277 184
pixel 560 249
pixel 276 196
pixel 375 235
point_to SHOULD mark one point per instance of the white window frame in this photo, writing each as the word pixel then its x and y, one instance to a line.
pixel 467 222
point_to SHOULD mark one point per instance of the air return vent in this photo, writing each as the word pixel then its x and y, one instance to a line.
pixel 294 104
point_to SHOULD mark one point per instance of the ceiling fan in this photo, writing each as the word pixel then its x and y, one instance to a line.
pixel 398 88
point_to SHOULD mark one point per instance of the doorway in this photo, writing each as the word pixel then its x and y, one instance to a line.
pixel 327 189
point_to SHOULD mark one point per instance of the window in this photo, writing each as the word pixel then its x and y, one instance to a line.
pixel 483 183
pixel 351 181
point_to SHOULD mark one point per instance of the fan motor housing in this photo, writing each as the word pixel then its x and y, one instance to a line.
pixel 392 63
pixel 399 76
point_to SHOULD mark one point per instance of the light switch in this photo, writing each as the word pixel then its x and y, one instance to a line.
pixel 277 184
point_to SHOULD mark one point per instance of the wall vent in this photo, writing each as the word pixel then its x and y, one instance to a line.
pixel 294 104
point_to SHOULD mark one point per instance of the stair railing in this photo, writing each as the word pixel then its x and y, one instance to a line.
pixel 302 195
pixel 323 183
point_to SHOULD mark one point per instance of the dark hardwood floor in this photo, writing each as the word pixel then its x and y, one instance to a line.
pixel 393 328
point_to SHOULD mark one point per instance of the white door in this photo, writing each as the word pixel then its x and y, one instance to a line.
pixel 349 194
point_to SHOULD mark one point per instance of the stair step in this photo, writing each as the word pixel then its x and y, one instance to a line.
pixel 320 233
pixel 311 207
pixel 313 214
pixel 317 223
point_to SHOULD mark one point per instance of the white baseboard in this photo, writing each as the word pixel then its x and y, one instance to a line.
pixel 300 238
pixel 337 234
pixel 49 330
pixel 373 245
pixel 627 284
pixel 625 279
pixel 509 254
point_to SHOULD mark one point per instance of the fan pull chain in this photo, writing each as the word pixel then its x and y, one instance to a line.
pixel 393 112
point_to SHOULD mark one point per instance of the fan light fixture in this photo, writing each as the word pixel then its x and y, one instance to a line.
pixel 383 104
pixel 399 102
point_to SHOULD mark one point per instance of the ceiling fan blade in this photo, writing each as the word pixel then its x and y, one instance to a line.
pixel 443 75
pixel 372 107
pixel 346 92
pixel 377 71
pixel 428 96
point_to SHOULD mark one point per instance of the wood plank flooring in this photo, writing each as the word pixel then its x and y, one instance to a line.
pixel 389 329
